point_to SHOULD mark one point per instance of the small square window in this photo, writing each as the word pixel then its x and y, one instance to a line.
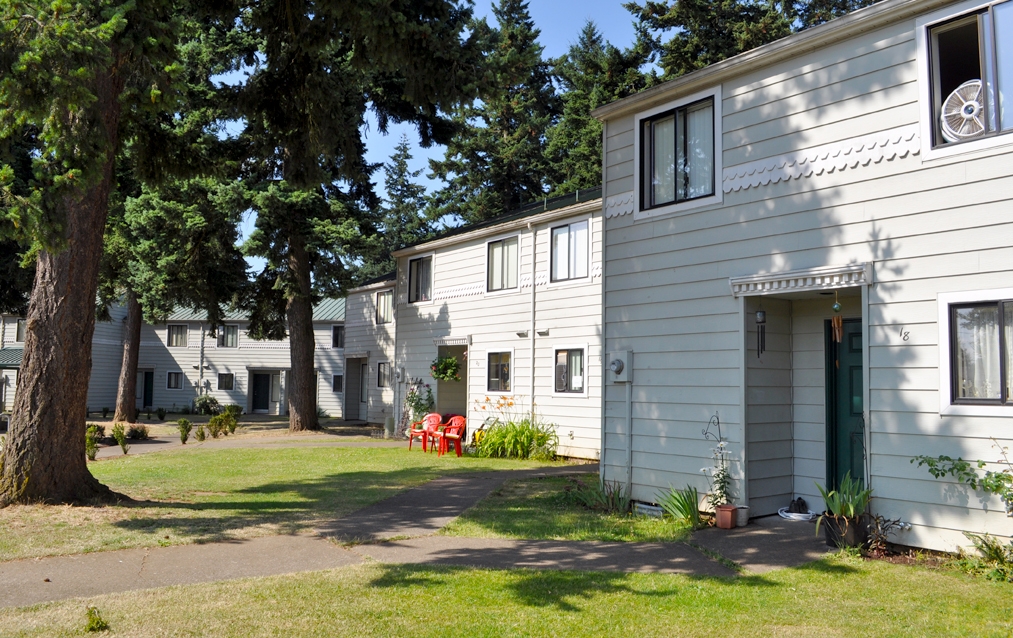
pixel 337 337
pixel 174 381
pixel 228 336
pixel 383 375
pixel 176 337
pixel 19 335
pixel 677 160
pixel 338 383
pixel 384 306
pixel 501 265
pixel 569 251
pixel 420 279
pixel 499 372
pixel 570 371
pixel 227 381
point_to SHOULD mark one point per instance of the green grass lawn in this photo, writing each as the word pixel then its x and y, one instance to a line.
pixel 832 597
pixel 538 508
pixel 201 495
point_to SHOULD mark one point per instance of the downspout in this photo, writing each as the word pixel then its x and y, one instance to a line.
pixel 200 372
pixel 601 331
pixel 531 334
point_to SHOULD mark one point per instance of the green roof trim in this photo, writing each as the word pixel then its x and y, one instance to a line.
pixel 11 357
pixel 329 309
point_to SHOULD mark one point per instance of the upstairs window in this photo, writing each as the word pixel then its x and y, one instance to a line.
pixel 228 336
pixel 569 251
pixel 176 337
pixel 19 334
pixel 384 306
pixel 570 371
pixel 677 162
pixel 501 265
pixel 420 279
pixel 971 60
pixel 981 339
pixel 337 337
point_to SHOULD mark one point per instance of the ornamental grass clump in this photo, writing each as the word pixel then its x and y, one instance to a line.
pixel 607 496
pixel 682 505
pixel 523 439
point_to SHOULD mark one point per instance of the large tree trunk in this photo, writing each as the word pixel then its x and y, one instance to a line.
pixel 301 391
pixel 43 458
pixel 126 392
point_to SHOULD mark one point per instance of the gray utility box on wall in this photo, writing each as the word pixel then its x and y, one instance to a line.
pixel 620 366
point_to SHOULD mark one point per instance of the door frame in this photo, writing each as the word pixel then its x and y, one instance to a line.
pixel 253 391
pixel 831 399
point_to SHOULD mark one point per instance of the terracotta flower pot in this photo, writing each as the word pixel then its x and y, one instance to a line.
pixel 726 516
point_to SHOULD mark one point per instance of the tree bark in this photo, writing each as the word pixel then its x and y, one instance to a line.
pixel 301 388
pixel 126 391
pixel 43 458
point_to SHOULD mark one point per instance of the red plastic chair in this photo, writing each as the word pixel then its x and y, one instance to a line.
pixel 453 433
pixel 423 429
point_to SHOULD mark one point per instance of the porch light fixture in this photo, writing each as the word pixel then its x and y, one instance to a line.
pixel 761 332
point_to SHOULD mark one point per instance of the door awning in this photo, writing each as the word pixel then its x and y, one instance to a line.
pixel 827 278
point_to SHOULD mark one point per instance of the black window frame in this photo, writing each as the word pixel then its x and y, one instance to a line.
pixel 338 383
pixel 414 293
pixel 383 378
pixel 168 377
pixel 564 376
pixel 499 367
pixel 987 64
pixel 223 334
pixel 488 264
pixel 168 335
pixel 232 381
pixel 552 252
pixel 340 331
pixel 389 294
pixel 1004 396
pixel 647 155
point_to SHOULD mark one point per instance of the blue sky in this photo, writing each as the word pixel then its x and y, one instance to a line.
pixel 560 22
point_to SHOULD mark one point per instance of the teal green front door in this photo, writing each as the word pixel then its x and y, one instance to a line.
pixel 845 420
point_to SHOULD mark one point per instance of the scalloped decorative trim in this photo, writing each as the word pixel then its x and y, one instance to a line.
pixel 860 151
pixel 618 205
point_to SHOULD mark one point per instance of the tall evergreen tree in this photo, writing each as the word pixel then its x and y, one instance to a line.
pixel 316 70
pixel 815 12
pixel 402 217
pixel 592 73
pixel 497 160
pixel 707 31
pixel 84 76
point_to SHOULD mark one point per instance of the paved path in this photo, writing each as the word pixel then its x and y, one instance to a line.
pixel 408 521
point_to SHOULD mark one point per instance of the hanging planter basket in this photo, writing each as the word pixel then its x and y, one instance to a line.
pixel 446 369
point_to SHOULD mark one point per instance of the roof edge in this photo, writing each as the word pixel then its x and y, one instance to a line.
pixel 872 17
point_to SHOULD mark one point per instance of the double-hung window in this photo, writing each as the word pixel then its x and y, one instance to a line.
pixel 176 336
pixel 570 370
pixel 420 279
pixel 971 65
pixel 174 380
pixel 501 265
pixel 228 336
pixel 19 334
pixel 383 375
pixel 981 352
pixel 337 383
pixel 499 372
pixel 384 306
pixel 677 155
pixel 569 251
pixel 226 381
pixel 337 337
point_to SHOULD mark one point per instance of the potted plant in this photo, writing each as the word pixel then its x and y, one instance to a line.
pixel 445 369
pixel 844 519
pixel 721 488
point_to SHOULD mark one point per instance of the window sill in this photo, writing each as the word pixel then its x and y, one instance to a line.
pixel 977 410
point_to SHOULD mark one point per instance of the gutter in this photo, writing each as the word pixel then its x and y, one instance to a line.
pixel 517 224
pixel 868 19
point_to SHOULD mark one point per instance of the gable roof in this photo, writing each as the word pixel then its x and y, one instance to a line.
pixel 862 21
pixel 11 357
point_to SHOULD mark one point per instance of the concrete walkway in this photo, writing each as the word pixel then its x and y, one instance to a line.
pixel 402 529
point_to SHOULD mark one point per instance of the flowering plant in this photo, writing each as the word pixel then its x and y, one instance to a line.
pixel 718 476
pixel 419 400
pixel 445 369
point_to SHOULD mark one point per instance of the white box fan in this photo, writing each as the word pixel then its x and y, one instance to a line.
pixel 963 112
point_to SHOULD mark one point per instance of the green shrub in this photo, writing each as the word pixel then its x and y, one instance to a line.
pixel 216 426
pixel 121 437
pixel 606 497
pixel 682 505
pixel 233 409
pixel 184 430
pixel 206 404
pixel 138 432
pixel 160 413
pixel 95 622
pixel 229 422
pixel 994 560
pixel 91 437
pixel 522 439
pixel 100 431
pixel 201 433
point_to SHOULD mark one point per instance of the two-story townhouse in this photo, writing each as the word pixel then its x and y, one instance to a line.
pixel 811 241
pixel 517 301
pixel 369 383
pixel 179 358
